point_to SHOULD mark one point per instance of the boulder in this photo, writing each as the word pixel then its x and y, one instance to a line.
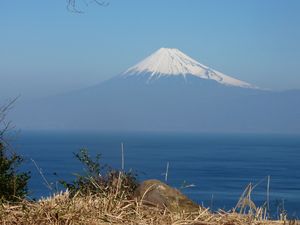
pixel 158 194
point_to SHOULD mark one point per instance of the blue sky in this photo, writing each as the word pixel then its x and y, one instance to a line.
pixel 45 49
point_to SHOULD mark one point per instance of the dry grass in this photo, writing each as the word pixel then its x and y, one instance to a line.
pixel 93 209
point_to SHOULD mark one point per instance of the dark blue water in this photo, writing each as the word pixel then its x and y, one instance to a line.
pixel 220 166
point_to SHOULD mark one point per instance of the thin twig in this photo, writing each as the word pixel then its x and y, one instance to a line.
pixel 48 185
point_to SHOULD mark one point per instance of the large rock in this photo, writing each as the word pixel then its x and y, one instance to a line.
pixel 159 194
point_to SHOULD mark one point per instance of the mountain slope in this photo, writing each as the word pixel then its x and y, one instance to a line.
pixel 172 62
pixel 161 95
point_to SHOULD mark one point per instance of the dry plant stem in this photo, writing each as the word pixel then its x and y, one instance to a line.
pixel 48 185
pixel 122 153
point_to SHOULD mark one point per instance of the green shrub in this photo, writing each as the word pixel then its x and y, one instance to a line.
pixel 98 179
pixel 13 184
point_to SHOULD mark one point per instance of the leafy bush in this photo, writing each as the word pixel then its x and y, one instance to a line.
pixel 13 185
pixel 101 180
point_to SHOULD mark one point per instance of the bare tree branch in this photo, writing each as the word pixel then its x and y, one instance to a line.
pixel 6 107
pixel 72 4
pixel 5 126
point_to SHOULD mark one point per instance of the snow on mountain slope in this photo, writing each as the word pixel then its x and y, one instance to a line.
pixel 172 62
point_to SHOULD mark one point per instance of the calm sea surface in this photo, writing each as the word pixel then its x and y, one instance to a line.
pixel 220 166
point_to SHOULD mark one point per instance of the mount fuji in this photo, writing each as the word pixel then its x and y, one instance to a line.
pixel 167 62
pixel 167 91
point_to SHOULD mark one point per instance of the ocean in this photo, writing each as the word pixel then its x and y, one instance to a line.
pixel 217 167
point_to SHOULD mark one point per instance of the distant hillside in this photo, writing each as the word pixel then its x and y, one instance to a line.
pixel 168 91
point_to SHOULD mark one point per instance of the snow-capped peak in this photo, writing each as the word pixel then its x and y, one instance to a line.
pixel 173 62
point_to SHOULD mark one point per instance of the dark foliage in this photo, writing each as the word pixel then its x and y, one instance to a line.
pixel 13 185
